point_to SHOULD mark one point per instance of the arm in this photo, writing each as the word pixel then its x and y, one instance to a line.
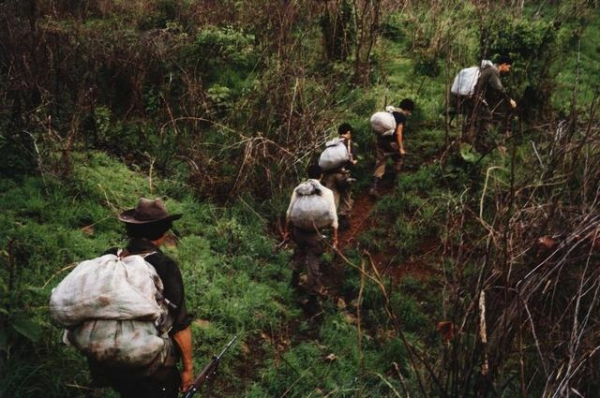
pixel 286 231
pixel 399 130
pixel 183 338
pixel 334 217
pixel 335 238
pixel 496 84
pixel 350 147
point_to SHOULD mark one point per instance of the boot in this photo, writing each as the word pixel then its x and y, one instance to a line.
pixel 313 305
pixel 344 222
pixel 373 190
pixel 295 279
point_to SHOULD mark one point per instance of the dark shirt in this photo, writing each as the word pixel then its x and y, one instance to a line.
pixel 490 88
pixel 170 275
pixel 384 141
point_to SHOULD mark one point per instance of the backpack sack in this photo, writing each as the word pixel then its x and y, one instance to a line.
pixel 108 287
pixel 383 123
pixel 311 209
pixel 129 344
pixel 465 81
pixel 335 155
pixel 114 313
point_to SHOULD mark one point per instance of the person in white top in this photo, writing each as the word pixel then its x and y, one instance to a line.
pixel 310 243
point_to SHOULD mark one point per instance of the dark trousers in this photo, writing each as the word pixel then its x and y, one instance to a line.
pixel 489 124
pixel 310 246
pixel 166 386
pixel 163 383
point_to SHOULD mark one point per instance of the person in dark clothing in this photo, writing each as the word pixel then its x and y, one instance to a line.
pixel 391 146
pixel 147 226
pixel 310 243
pixel 339 180
pixel 492 105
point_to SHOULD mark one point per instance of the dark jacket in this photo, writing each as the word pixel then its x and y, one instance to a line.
pixel 489 88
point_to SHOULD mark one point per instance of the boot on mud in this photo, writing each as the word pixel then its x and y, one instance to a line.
pixel 295 281
pixel 313 305
pixel 344 222
pixel 373 190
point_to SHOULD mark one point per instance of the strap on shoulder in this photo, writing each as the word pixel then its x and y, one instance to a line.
pixel 122 253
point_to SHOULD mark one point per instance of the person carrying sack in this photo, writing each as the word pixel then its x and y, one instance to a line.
pixel 311 209
pixel 337 176
pixel 125 361
pixel 390 144
pixel 492 107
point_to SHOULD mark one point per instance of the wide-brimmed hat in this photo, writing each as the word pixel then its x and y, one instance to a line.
pixel 147 211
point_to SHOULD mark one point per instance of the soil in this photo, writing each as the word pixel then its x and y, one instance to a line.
pixel 362 221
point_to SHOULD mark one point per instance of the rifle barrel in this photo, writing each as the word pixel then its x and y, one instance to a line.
pixel 208 370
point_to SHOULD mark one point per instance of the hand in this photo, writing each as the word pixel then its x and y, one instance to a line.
pixel 335 243
pixel 286 235
pixel 187 378
pixel 513 104
pixel 354 161
pixel 402 152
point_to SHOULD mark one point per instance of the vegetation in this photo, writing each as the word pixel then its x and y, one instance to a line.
pixel 475 276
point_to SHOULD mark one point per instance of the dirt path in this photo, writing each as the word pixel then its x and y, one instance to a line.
pixel 359 222
pixel 361 214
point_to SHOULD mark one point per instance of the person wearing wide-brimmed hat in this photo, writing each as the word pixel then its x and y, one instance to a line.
pixel 147 225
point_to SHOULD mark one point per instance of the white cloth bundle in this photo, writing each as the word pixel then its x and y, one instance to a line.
pixel 335 155
pixel 383 123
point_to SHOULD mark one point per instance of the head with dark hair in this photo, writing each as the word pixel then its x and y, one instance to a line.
pixel 314 171
pixel 151 231
pixel 344 128
pixel 407 105
pixel 504 63
pixel 504 59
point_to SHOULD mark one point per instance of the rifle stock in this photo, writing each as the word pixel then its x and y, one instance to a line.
pixel 208 371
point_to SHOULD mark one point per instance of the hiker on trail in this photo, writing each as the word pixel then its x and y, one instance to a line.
pixel 391 145
pixel 311 209
pixel 492 105
pixel 336 162
pixel 147 226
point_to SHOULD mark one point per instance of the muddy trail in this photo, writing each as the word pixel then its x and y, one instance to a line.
pixel 363 219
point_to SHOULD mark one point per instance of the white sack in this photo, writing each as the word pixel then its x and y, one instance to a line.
pixel 107 288
pixel 335 155
pixel 310 209
pixel 465 81
pixel 383 123
pixel 120 343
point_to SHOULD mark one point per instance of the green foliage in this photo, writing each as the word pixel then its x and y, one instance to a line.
pixel 228 102
pixel 19 154
pixel 223 55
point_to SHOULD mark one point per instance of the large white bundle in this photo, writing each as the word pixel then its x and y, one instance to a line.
pixel 120 343
pixel 335 155
pixel 107 288
pixel 465 81
pixel 311 209
pixel 383 123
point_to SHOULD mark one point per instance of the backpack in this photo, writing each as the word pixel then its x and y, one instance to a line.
pixel 310 210
pixel 383 123
pixel 466 79
pixel 114 312
pixel 335 155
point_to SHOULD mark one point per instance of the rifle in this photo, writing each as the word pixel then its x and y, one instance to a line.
pixel 208 371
